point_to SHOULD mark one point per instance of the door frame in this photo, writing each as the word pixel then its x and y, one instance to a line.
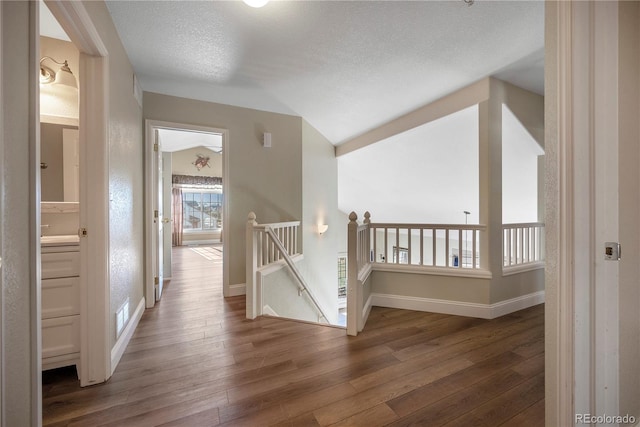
pixel 95 300
pixel 150 127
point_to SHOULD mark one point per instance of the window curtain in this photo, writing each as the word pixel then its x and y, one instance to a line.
pixel 176 216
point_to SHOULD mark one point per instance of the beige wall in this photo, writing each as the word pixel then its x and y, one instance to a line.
pixel 629 181
pixel 431 286
pixel 126 226
pixel 182 162
pixel 20 389
pixel 267 181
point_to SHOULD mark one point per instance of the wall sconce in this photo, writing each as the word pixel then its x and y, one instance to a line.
pixel 322 228
pixel 64 76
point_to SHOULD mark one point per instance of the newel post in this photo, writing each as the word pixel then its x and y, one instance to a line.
pixel 367 248
pixel 352 275
pixel 251 268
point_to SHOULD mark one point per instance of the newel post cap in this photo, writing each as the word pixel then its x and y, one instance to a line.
pixel 367 217
pixel 353 216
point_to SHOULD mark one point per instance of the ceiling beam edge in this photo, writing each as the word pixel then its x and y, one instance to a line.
pixel 449 104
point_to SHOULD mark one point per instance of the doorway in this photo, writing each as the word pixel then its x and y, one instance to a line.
pixel 92 65
pixel 185 175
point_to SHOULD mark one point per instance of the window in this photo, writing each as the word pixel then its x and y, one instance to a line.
pixel 342 276
pixel 201 210
pixel 403 253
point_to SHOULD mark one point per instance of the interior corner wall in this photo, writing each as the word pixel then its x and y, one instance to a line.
pixel 267 181
pixel 528 107
pixel 320 206
pixel 126 173
pixel 629 228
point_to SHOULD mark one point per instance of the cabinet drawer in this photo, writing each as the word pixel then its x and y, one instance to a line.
pixel 60 297
pixel 60 336
pixel 63 264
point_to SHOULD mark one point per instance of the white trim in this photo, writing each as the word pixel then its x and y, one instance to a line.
pixel 150 125
pixel 75 21
pixel 200 242
pixel 121 344
pixel 363 275
pixel 457 308
pixel 522 268
pixel 59 120
pixel 466 97
pixel 476 273
pixel 515 304
pixel 366 310
pixel 94 205
pixel 268 311
pixel 237 289
pixel 559 222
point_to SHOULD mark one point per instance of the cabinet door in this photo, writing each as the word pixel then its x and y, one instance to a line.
pixel 60 297
pixel 62 264
pixel 60 336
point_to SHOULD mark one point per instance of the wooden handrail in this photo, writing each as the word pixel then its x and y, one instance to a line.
pixel 292 266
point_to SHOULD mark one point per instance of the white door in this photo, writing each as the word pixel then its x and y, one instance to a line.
pixel 158 222
pixel 166 220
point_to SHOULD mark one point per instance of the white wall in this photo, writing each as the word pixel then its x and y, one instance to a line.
pixel 520 152
pixel 428 174
pixel 320 206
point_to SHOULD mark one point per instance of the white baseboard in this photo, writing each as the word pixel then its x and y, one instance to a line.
pixel 514 304
pixel 366 310
pixel 458 308
pixel 121 344
pixel 237 289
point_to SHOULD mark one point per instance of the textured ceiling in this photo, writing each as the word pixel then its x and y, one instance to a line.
pixel 345 67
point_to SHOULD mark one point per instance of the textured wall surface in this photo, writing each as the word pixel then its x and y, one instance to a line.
pixel 126 244
pixel 20 390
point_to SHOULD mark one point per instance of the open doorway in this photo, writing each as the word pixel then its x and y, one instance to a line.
pixel 185 175
pixel 73 63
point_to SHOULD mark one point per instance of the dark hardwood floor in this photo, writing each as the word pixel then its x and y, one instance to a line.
pixel 196 361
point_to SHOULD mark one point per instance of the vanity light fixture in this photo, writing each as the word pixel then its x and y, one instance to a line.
pixel 322 228
pixel 64 76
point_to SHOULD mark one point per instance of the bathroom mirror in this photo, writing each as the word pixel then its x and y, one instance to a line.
pixel 59 160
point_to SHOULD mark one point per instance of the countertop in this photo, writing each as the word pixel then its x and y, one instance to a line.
pixel 61 240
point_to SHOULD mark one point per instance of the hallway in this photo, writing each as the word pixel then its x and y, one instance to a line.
pixel 195 360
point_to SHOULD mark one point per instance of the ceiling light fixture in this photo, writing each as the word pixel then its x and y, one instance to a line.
pixel 469 2
pixel 64 76
pixel 256 3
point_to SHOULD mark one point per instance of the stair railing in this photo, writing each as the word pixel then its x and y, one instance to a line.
pixel 267 244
